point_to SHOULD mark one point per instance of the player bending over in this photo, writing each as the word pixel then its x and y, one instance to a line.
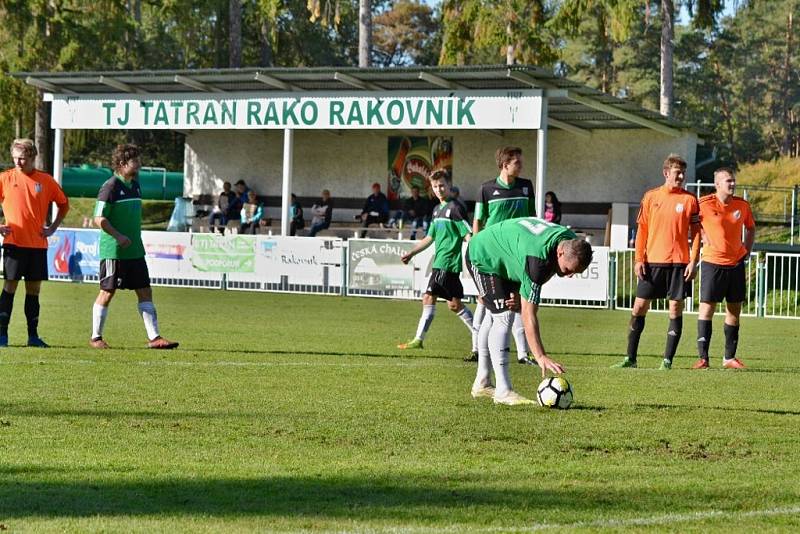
pixel 448 229
pixel 122 265
pixel 516 257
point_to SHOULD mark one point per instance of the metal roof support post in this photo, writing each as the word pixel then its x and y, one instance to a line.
pixel 286 189
pixel 58 155
pixel 541 161
pixel 58 163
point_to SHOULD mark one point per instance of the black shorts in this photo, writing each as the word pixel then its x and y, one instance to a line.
pixel 663 282
pixel 124 274
pixel 445 284
pixel 719 282
pixel 24 262
pixel 493 290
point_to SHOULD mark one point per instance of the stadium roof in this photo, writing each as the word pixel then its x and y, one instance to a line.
pixel 571 106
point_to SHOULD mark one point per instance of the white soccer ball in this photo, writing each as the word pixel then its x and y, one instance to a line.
pixel 554 392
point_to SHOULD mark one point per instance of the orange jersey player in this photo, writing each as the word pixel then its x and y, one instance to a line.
pixel 724 218
pixel 26 194
pixel 668 223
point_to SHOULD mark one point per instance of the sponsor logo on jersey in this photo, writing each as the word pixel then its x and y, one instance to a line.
pixel 447 213
pixel 38 188
pixel 679 208
pixel 525 190
pixel 495 193
pixel 737 214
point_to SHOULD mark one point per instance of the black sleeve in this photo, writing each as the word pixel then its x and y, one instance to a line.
pixel 106 191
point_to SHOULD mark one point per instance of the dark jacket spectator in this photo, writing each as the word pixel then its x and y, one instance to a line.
pixel 376 209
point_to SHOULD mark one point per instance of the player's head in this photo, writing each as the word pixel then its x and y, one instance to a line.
pixel 252 197
pixel 440 183
pixel 376 188
pixel 23 154
pixel 509 159
pixel 674 171
pixel 226 186
pixel 126 160
pixel 574 256
pixel 241 187
pixel 725 181
pixel 326 194
pixel 415 191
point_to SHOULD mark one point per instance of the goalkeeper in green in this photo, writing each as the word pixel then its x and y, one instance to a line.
pixel 510 261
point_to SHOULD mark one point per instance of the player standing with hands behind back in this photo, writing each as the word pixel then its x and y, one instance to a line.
pixel 122 264
pixel 668 220
pixel 448 229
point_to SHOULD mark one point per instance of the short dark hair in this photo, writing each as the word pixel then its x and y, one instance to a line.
pixel 440 174
pixel 581 250
pixel 506 154
pixel 241 182
pixel 123 154
pixel 727 170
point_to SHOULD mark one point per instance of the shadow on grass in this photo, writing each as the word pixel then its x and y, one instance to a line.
pixel 694 407
pixel 255 352
pixel 413 499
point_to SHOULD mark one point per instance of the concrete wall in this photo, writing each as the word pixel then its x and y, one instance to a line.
pixel 612 165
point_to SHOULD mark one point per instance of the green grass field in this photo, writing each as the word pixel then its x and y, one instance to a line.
pixel 296 413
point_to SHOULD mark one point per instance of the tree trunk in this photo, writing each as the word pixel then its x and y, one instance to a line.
pixel 364 33
pixel 510 48
pixel 265 43
pixel 235 49
pixel 42 134
pixel 726 111
pixel 667 36
pixel 786 144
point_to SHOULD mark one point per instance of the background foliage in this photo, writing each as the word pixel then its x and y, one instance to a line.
pixel 736 62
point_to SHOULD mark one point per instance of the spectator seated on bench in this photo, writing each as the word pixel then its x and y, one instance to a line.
pixel 375 210
pixel 321 214
pixel 251 214
pixel 226 206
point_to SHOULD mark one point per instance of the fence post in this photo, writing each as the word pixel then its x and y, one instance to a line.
pixel 345 254
pixel 612 281
pixel 761 287
pixel 794 214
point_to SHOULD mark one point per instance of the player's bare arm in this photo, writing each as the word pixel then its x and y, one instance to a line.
pixel 103 223
pixel 422 245
pixel 530 321
pixel 691 269
pixel 47 231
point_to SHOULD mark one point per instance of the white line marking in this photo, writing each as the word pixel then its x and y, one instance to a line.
pixel 655 520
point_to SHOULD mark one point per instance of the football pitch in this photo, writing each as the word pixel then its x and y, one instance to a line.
pixel 297 413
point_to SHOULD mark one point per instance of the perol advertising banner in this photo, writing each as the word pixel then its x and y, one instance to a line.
pixel 417 110
pixel 294 261
pixel 374 268
pixel 73 254
pixel 169 255
pixel 592 284
pixel 223 253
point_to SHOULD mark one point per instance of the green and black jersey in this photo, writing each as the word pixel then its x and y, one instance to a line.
pixel 121 203
pixel 520 250
pixel 498 201
pixel 448 228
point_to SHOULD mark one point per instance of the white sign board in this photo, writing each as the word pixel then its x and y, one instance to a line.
pixel 592 284
pixel 417 110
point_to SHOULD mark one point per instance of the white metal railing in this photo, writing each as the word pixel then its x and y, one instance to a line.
pixel 372 268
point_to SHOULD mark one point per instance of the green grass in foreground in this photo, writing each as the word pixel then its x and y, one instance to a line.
pixel 291 413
